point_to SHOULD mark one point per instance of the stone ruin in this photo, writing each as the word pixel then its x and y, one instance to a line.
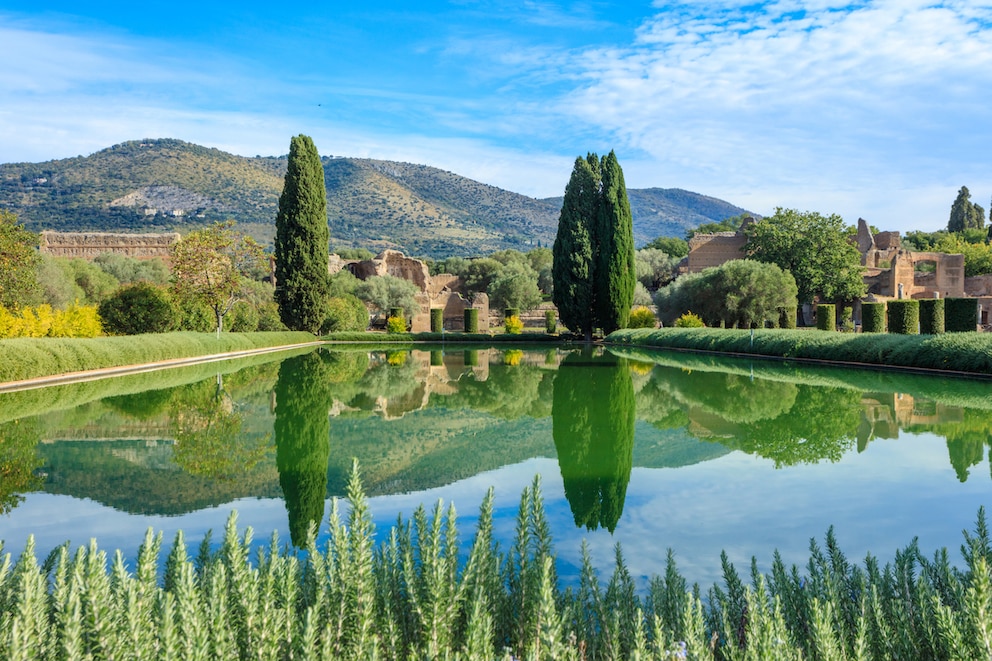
pixel 443 291
pixel 89 245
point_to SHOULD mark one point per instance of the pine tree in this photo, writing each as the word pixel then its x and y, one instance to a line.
pixel 301 245
pixel 615 272
pixel 572 270
pixel 964 214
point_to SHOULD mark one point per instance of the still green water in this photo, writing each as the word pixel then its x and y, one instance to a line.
pixel 652 450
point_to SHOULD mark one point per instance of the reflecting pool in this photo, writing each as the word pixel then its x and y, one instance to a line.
pixel 652 450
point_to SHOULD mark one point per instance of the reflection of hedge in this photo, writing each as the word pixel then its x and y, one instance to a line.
pixel 960 314
pixel 826 316
pixel 904 317
pixel 873 317
pixel 931 316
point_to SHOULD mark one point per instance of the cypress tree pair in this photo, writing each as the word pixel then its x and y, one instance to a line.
pixel 593 269
pixel 301 245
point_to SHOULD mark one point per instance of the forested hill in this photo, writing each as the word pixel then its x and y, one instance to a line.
pixel 156 185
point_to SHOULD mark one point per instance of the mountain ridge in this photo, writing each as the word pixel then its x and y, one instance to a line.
pixel 171 185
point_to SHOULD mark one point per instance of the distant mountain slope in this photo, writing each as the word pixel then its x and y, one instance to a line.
pixel 156 185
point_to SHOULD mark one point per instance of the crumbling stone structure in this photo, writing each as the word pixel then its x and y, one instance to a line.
pixel 88 245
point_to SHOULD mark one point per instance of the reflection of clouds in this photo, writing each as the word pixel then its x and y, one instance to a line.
pixel 877 501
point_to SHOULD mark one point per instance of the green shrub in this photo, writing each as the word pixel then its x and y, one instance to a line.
pixel 243 318
pixel 689 320
pixel 511 312
pixel 513 325
pixel 138 308
pixel 642 317
pixel 195 316
pixel 847 320
pixel 396 324
pixel 960 315
pixel 550 321
pixel 345 314
pixel 826 316
pixel 437 320
pixel 873 317
pixel 787 317
pixel 397 312
pixel 931 316
pixel 471 320
pixel 268 318
pixel 904 317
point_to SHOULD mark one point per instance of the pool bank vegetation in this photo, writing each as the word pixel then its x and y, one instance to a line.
pixel 26 358
pixel 959 352
pixel 413 595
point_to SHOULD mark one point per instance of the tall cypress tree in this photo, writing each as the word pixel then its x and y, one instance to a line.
pixel 574 257
pixel 964 214
pixel 301 246
pixel 615 274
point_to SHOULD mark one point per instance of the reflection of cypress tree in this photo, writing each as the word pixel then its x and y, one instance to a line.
pixel 302 440
pixel 593 422
pixel 965 451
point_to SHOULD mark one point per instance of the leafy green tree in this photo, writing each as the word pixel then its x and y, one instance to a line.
pixel 615 272
pixel 741 293
pixel 302 433
pixel 210 266
pixel 19 262
pixel 731 224
pixel 814 249
pixel 965 214
pixel 670 245
pixel 480 273
pixel 137 308
pixel 128 269
pixel 574 267
pixel 655 268
pixel 301 245
pixel 345 313
pixel 382 292
pixel 593 415
pixel 515 287
pixel 977 256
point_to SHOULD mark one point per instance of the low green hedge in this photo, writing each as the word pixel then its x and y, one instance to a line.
pixel 960 315
pixel 471 320
pixel 27 358
pixel 873 317
pixel 964 352
pixel 437 320
pixel 904 317
pixel 826 317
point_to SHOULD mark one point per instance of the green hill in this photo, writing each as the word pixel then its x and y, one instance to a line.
pixel 160 185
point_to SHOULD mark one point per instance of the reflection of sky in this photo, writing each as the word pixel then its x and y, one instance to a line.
pixel 877 501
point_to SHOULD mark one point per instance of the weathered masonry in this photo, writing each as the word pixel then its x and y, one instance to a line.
pixel 88 245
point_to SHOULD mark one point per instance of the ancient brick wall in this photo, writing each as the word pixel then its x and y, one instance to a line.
pixel 88 245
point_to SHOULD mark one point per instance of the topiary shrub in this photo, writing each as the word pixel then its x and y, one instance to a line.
pixel 787 317
pixel 642 317
pixel 873 317
pixel 140 308
pixel 689 320
pixel 471 320
pixel 513 325
pixel 511 312
pixel 550 322
pixel 437 320
pixel 396 325
pixel 345 314
pixel 826 316
pixel 960 315
pixel 847 320
pixel 904 317
pixel 931 316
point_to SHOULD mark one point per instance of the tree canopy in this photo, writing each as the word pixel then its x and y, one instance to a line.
pixel 814 249
pixel 964 213
pixel 301 245
pixel 18 263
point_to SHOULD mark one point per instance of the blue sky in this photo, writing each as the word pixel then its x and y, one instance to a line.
pixel 877 109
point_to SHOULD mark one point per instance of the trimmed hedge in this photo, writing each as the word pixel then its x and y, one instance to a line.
pixel 904 316
pixel 787 317
pixel 437 320
pixel 550 322
pixel 960 315
pixel 471 320
pixel 931 316
pixel 826 316
pixel 873 317
pixel 511 312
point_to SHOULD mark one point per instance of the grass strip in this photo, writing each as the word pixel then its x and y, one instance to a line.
pixel 958 352
pixel 28 358
pixel 416 596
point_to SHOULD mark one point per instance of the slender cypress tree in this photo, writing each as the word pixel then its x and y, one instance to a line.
pixel 301 246
pixel 614 270
pixel 574 258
